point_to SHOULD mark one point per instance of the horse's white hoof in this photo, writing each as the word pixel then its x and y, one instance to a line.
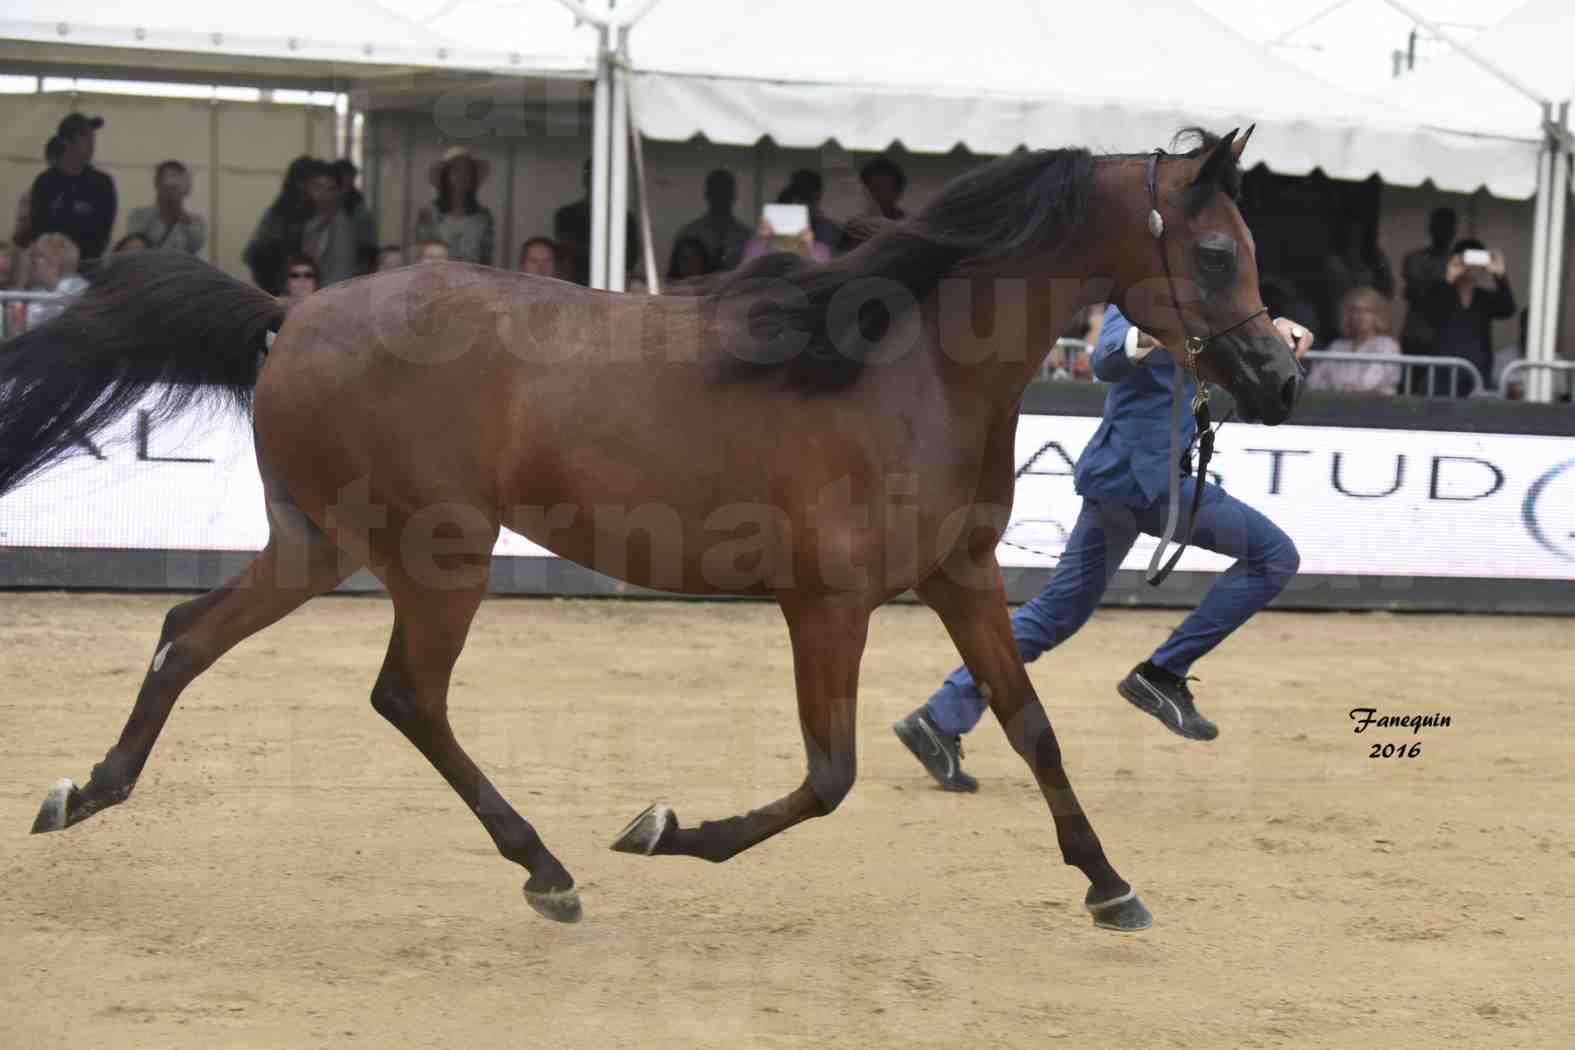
pixel 1124 914
pixel 644 832
pixel 52 814
pixel 557 905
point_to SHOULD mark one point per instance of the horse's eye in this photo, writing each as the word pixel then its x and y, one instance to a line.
pixel 1216 260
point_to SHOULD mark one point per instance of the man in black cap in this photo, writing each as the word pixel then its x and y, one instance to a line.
pixel 73 197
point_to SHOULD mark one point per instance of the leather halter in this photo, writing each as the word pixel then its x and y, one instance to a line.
pixel 1194 345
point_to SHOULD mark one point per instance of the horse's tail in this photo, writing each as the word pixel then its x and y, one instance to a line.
pixel 148 318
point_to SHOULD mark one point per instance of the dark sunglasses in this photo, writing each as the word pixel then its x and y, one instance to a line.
pixel 303 273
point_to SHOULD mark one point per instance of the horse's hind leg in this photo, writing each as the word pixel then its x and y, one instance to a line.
pixel 975 616
pixel 828 643
pixel 430 625
pixel 298 563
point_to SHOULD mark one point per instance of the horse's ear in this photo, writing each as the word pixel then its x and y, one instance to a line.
pixel 1240 145
pixel 1212 172
pixel 1211 175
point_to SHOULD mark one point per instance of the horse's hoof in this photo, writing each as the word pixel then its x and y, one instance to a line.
pixel 1124 914
pixel 644 832
pixel 557 905
pixel 52 814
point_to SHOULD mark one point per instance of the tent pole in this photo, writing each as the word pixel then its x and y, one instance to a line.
pixel 648 248
pixel 1539 265
pixel 618 206
pixel 599 127
pixel 1553 278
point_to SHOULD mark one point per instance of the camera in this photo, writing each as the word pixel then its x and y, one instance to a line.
pixel 1476 257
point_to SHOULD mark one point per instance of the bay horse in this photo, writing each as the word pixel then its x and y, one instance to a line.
pixel 830 435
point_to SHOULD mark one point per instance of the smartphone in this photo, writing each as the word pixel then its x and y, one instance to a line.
pixel 787 220
pixel 1476 257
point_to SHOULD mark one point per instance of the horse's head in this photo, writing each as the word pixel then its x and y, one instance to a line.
pixel 1201 299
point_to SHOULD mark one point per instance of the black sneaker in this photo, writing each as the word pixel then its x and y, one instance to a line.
pixel 940 753
pixel 1167 698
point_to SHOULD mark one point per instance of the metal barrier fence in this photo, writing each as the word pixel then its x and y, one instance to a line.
pixel 1070 359
pixel 1514 368
pixel 14 309
pixel 1411 367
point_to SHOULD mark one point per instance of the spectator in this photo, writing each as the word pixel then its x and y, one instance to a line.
pixel 539 256
pixel 301 277
pixel 1356 262
pixel 1364 329
pixel 691 259
pixel 432 251
pixel 807 186
pixel 805 244
pixel 278 235
pixel 131 242
pixel 11 268
pixel 12 276
pixel 1077 362
pixel 884 182
pixel 391 257
pixel 361 222
pixel 52 267
pixel 22 227
pixel 571 228
pixel 455 216
pixel 1423 270
pixel 1505 356
pixel 73 197
pixel 1461 309
pixel 329 236
pixel 166 224
pixel 721 236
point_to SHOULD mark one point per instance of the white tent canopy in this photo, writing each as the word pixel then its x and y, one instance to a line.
pixel 1532 45
pixel 537 36
pixel 993 75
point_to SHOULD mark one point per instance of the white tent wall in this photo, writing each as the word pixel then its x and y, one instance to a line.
pixel 237 153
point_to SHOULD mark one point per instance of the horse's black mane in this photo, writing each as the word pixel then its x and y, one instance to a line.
pixel 1030 202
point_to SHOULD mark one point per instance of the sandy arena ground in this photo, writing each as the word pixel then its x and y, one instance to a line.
pixel 290 873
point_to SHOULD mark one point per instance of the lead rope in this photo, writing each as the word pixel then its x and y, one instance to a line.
pixel 1205 437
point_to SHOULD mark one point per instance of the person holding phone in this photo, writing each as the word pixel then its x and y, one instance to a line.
pixel 785 227
pixel 1462 307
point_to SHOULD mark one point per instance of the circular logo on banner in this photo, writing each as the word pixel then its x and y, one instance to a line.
pixel 1549 510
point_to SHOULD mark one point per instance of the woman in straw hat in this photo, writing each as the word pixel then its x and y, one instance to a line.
pixel 455 216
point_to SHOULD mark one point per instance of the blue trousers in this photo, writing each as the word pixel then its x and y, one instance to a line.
pixel 1104 533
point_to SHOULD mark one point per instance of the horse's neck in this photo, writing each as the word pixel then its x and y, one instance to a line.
pixel 991 331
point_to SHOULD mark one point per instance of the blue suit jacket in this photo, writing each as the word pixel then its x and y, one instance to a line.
pixel 1127 461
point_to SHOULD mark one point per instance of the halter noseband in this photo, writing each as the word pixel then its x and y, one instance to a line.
pixel 1195 345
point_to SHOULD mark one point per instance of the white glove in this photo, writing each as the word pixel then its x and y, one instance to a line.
pixel 1134 352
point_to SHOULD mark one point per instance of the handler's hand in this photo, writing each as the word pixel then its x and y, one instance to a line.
pixel 1298 337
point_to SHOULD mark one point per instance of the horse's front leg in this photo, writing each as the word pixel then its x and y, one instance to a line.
pixel 828 642
pixel 967 593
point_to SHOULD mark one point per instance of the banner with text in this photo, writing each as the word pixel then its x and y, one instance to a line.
pixel 1355 500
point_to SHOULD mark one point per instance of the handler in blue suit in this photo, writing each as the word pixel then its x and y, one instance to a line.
pixel 1123 476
